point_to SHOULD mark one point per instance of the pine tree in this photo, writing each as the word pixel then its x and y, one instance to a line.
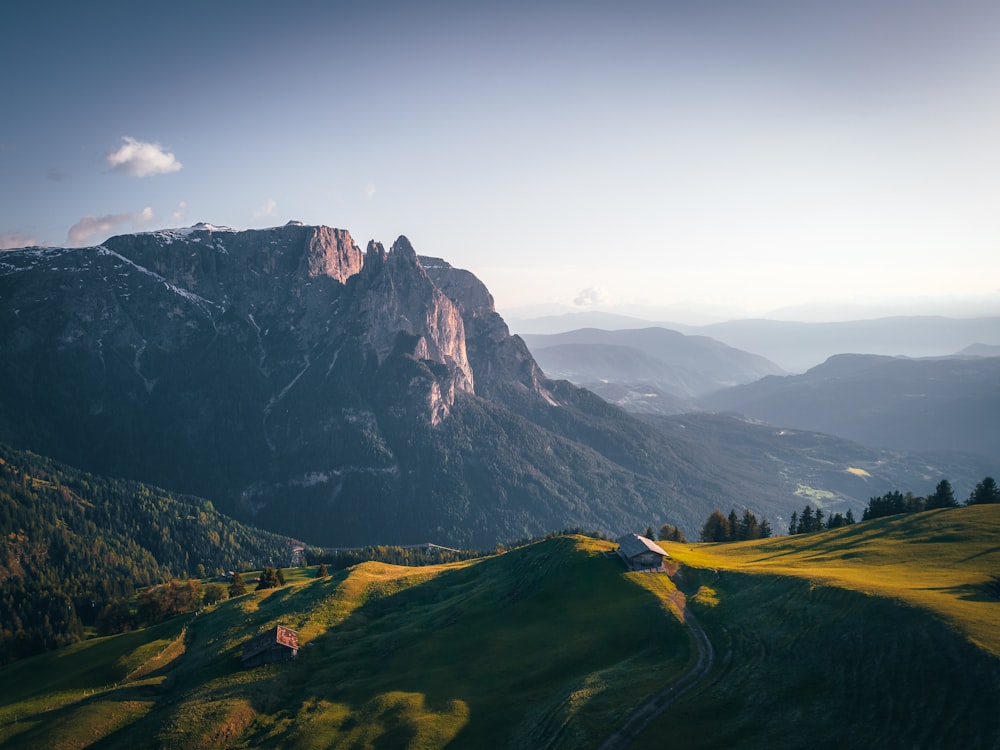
pixel 322 572
pixel 806 521
pixel 732 526
pixel 649 533
pixel 268 579
pixel 749 527
pixel 943 496
pixel 793 523
pixel 237 587
pixel 849 518
pixel 716 528
pixel 984 493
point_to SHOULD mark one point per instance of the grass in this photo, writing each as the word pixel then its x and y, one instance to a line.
pixel 548 645
pixel 938 561
pixel 877 635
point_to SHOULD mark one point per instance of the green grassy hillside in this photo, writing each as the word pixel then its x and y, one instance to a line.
pixel 72 543
pixel 877 635
pixel 547 645
pixel 938 561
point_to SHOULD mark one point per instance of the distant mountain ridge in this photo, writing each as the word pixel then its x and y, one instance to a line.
pixel 652 370
pixel 928 404
pixel 798 346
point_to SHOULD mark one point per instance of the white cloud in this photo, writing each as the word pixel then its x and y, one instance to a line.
pixel 139 159
pixel 13 239
pixel 89 226
pixel 180 212
pixel 592 296
pixel 266 210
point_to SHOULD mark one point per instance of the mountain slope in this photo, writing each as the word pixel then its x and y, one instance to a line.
pixel 778 470
pixel 911 404
pixel 334 395
pixel 650 362
pixel 340 396
pixel 554 644
pixel 464 655
pixel 72 543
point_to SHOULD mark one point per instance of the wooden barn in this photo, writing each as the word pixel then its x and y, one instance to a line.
pixel 276 645
pixel 640 553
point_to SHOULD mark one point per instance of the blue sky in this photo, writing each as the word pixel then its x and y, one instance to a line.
pixel 736 156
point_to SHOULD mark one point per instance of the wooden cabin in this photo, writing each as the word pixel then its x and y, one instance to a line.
pixel 275 645
pixel 640 553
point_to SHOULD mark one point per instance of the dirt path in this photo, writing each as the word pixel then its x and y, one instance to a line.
pixel 662 700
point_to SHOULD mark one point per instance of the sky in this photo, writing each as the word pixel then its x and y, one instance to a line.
pixel 720 157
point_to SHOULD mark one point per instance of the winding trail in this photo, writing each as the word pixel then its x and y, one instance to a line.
pixel 662 700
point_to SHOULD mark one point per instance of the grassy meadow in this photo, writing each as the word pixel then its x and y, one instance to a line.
pixel 547 645
pixel 938 561
pixel 877 635
pixel 881 634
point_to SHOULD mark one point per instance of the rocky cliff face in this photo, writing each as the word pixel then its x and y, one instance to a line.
pixel 341 396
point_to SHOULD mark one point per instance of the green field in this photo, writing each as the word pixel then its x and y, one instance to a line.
pixel 877 635
pixel 546 645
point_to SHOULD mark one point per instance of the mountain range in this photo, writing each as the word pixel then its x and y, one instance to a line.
pixel 927 404
pixel 652 370
pixel 798 346
pixel 348 397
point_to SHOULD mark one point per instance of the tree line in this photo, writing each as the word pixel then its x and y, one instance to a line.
pixel 892 503
pixel 812 520
pixel 341 559
pixel 733 528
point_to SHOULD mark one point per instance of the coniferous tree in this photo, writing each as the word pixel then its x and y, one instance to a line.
pixel 985 493
pixel 806 521
pixel 732 525
pixel 849 518
pixel 237 587
pixel 765 529
pixel 749 526
pixel 268 579
pixel 649 533
pixel 793 523
pixel 943 496
pixel 670 533
pixel 716 528
pixel 321 571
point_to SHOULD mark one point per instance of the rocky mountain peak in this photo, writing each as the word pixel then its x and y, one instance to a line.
pixel 331 252
pixel 395 296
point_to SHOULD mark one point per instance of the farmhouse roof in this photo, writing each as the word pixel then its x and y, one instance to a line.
pixel 279 634
pixel 631 545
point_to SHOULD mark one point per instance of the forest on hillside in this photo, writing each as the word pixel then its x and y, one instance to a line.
pixel 73 544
